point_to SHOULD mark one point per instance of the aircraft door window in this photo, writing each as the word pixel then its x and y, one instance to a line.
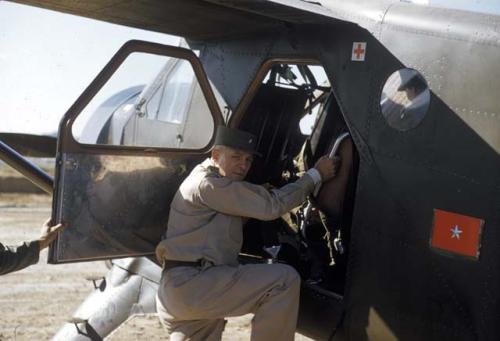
pixel 150 101
pixel 405 99
pixel 124 148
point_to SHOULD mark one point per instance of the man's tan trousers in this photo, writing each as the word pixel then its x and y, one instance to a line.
pixel 192 302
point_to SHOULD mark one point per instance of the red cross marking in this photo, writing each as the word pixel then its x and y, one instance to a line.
pixel 359 51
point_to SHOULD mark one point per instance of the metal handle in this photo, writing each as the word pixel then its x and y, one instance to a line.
pixel 336 145
pixel 332 154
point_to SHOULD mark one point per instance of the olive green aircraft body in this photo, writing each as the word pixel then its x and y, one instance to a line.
pixel 413 248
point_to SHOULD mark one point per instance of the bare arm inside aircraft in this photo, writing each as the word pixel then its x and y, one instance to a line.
pixel 13 258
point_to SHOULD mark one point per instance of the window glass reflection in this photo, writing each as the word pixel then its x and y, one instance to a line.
pixel 405 99
pixel 150 101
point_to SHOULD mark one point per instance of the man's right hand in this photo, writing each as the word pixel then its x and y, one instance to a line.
pixel 49 233
pixel 327 167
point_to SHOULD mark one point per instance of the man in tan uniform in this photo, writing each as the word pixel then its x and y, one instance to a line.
pixel 202 282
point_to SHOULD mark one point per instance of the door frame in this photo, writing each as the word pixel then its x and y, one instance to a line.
pixel 67 142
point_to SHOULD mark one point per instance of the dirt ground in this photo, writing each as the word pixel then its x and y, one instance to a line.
pixel 36 301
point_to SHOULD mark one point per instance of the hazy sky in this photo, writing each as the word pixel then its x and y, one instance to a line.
pixel 47 59
pixel 483 6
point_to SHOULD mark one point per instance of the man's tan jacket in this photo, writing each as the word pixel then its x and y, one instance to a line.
pixel 207 212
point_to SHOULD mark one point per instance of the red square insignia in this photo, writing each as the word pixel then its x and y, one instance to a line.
pixel 456 233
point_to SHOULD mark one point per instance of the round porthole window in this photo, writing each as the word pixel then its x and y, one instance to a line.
pixel 405 99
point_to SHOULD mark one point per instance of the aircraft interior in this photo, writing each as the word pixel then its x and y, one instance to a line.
pixel 297 120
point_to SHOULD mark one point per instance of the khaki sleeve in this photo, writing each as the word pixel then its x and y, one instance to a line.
pixel 240 198
pixel 17 258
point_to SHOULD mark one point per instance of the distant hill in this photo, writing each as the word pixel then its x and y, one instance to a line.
pixel 46 164
pixel 11 181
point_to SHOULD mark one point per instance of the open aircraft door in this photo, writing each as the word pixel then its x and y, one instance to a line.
pixel 115 191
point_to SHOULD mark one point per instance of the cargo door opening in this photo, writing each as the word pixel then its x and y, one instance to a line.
pixel 296 119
